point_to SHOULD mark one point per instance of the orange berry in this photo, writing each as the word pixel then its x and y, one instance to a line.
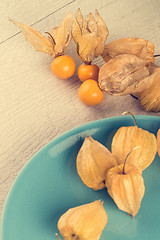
pixel 89 93
pixel 63 66
pixel 88 72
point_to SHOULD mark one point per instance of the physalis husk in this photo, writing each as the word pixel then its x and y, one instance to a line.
pixel 83 222
pixel 150 97
pixel 124 74
pixel 89 35
pixel 126 138
pixel 93 161
pixel 136 46
pixel 55 44
pixel 126 188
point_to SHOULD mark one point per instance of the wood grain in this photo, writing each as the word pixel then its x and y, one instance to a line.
pixel 29 12
pixel 35 106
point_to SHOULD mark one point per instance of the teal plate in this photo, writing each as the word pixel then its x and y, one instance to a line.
pixel 49 185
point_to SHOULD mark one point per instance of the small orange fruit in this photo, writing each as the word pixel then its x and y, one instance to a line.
pixel 63 66
pixel 88 72
pixel 89 93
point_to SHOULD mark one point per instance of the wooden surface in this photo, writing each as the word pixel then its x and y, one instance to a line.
pixel 35 106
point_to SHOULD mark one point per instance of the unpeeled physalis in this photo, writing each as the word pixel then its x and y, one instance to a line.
pixel 93 161
pixel 125 185
pixel 150 97
pixel 124 74
pixel 128 137
pixel 85 222
pixel 57 40
pixel 142 48
pixel 89 34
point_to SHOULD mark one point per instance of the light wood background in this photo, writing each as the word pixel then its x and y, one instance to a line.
pixel 35 106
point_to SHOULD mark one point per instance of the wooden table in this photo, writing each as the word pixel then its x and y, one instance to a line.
pixel 35 106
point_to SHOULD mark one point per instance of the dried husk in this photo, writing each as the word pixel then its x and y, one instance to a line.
pixel 89 35
pixel 83 222
pixel 93 161
pixel 127 138
pixel 158 142
pixel 137 46
pixel 54 45
pixel 62 35
pixel 150 97
pixel 124 74
pixel 35 38
pixel 126 189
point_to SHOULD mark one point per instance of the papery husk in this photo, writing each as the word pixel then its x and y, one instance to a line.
pixel 93 161
pixel 83 222
pixel 127 138
pixel 136 46
pixel 124 74
pixel 35 38
pixel 89 35
pixel 62 35
pixel 53 45
pixel 158 142
pixel 150 97
pixel 127 190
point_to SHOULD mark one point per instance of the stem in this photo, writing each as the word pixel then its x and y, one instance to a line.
pixel 123 171
pixel 124 113
pixel 58 238
pixel 158 55
pixel 134 96
pixel 51 37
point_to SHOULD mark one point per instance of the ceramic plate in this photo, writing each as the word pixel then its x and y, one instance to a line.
pixel 49 185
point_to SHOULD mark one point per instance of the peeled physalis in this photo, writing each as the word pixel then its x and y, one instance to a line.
pixel 142 48
pixel 126 188
pixel 85 222
pixel 126 138
pixel 93 161
pixel 124 74
pixel 89 35
pixel 57 41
